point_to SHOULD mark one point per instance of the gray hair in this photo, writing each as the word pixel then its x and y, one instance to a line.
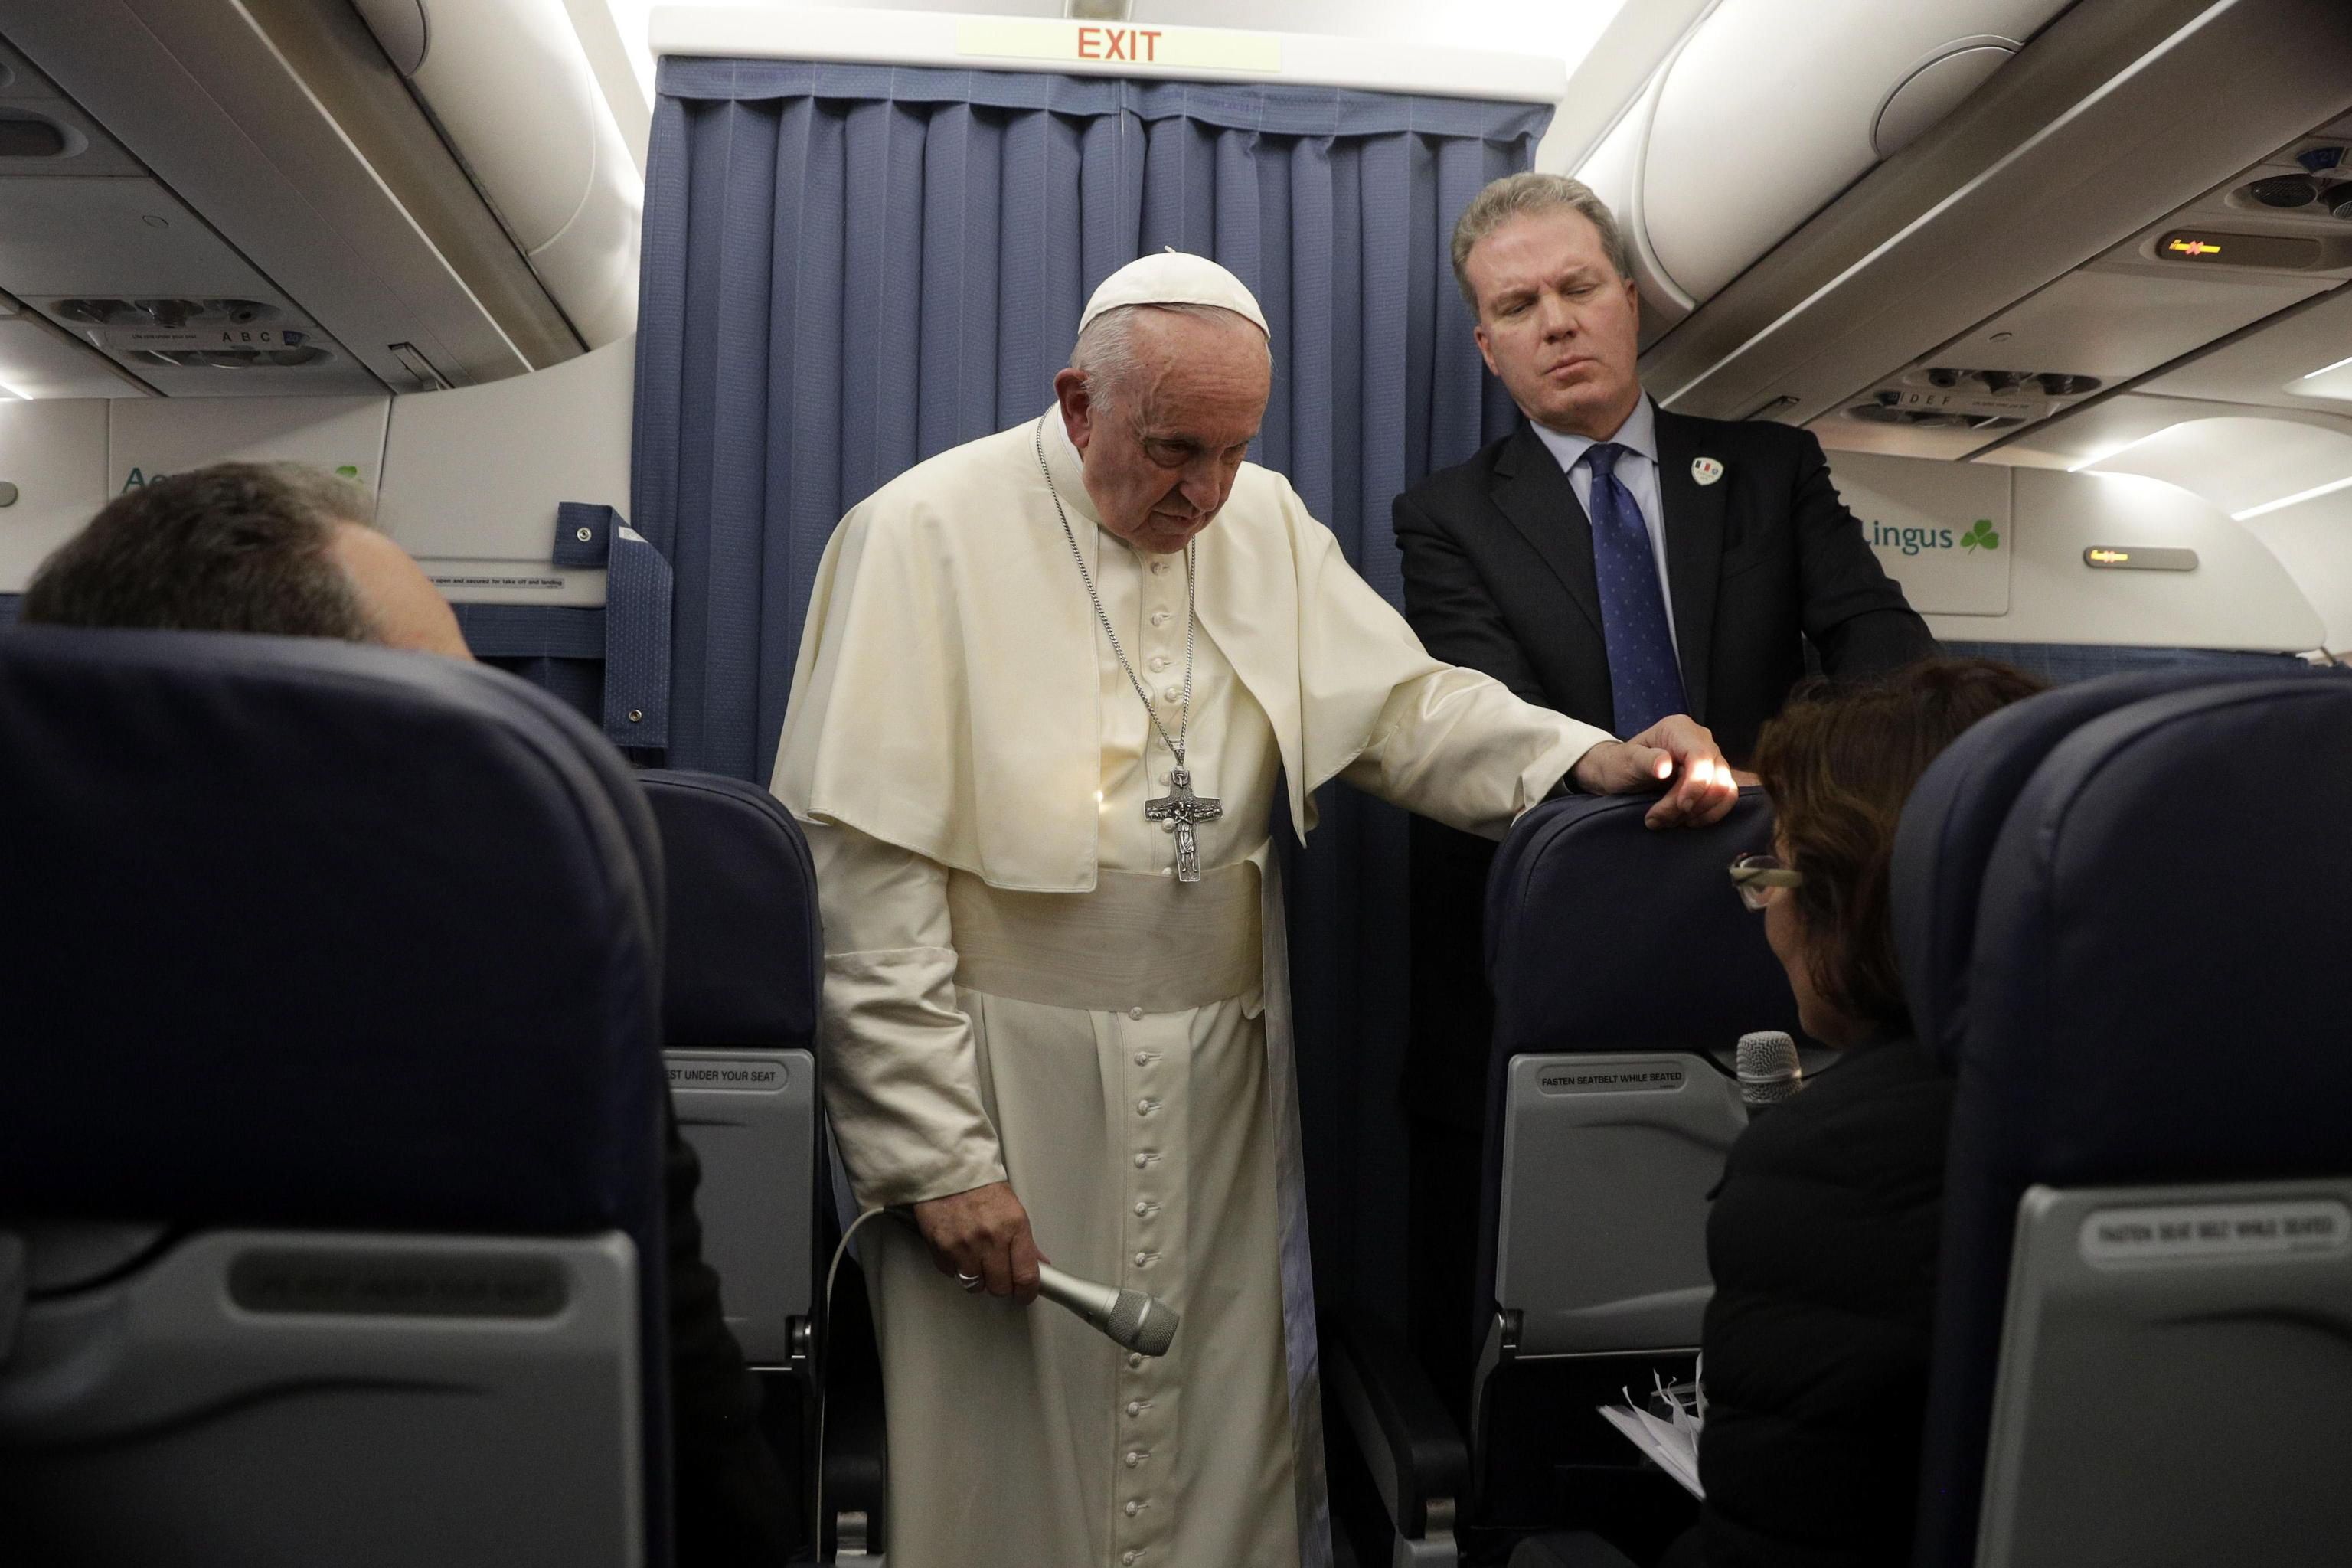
pixel 1106 353
pixel 1515 194
pixel 236 547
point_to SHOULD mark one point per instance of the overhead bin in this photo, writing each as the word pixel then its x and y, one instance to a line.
pixel 1768 110
pixel 512 92
pixel 265 169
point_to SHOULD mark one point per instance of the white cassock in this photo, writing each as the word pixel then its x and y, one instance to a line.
pixel 1017 988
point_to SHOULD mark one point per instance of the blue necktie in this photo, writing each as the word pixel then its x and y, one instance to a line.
pixel 1644 681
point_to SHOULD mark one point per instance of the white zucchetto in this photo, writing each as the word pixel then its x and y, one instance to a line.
pixel 1175 277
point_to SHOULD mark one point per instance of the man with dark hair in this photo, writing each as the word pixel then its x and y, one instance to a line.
pixel 1612 560
pixel 244 547
pixel 281 551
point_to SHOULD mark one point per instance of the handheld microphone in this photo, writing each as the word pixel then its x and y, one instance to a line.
pixel 1132 1319
pixel 1144 1324
pixel 1769 1071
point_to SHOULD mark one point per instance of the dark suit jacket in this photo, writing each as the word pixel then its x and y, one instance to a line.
pixel 1498 576
pixel 1823 1248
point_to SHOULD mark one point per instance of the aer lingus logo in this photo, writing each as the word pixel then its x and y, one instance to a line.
pixel 1981 537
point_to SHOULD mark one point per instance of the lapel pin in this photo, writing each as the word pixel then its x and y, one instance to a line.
pixel 1705 471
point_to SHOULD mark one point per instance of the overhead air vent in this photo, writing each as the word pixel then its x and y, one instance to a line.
pixel 2005 382
pixel 24 135
pixel 2297 193
pixel 169 314
pixel 233 359
pixel 176 342
pixel 1931 418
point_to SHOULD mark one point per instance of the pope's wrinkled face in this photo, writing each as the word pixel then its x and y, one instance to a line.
pixel 1557 323
pixel 1163 449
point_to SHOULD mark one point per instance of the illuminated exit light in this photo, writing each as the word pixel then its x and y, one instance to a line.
pixel 2194 247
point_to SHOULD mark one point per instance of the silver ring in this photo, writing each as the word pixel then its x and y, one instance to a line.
pixel 969 1281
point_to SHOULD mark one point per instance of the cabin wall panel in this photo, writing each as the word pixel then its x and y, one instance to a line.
pixel 2314 542
pixel 54 451
pixel 473 476
pixel 2242 595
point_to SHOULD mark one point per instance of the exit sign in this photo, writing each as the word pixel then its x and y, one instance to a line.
pixel 1148 49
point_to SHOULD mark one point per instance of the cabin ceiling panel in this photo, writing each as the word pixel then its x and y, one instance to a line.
pixel 2242 463
pixel 85 147
pixel 2081 437
pixel 39 361
pixel 2278 366
pixel 2116 325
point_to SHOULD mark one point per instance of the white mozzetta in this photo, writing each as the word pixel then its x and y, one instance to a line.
pixel 942 38
pixel 472 476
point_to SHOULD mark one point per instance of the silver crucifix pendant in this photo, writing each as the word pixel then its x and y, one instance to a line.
pixel 1185 809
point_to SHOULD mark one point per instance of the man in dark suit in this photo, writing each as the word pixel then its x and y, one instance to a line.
pixel 1615 562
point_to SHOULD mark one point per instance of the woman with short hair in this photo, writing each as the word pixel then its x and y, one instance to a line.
pixel 1823 1238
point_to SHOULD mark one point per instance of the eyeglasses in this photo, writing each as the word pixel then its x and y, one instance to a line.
pixel 1760 876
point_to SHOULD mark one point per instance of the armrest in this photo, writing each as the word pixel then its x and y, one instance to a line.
pixel 1417 1458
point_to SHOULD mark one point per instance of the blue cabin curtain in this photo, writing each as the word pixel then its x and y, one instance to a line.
pixel 849 269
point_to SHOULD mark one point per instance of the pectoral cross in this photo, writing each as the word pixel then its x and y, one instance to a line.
pixel 1186 810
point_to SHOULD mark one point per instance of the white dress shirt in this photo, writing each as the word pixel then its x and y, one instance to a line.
pixel 1637 470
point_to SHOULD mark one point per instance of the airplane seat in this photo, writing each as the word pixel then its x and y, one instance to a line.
pixel 1625 970
pixel 2118 910
pixel 743 973
pixel 330 1113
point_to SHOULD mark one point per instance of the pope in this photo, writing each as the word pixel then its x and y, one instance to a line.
pixel 1050 684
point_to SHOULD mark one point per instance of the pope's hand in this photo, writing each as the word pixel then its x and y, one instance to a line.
pixel 1675 754
pixel 983 1233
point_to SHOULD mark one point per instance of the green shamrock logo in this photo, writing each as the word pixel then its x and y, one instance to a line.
pixel 1981 537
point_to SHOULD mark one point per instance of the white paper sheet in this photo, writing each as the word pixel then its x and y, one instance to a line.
pixel 1673 1444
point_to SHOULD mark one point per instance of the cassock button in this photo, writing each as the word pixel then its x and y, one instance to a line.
pixel 1159 618
pixel 1136 1012
pixel 1141 1207
pixel 1142 1059
pixel 1133 1508
pixel 1134 1458
pixel 1127 1559
pixel 1171 693
pixel 1135 1361
pixel 1158 567
pixel 1143 1108
pixel 1159 661
pixel 1135 1407
pixel 1141 1259
pixel 1141 1161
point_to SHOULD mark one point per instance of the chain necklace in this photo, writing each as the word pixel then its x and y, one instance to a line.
pixel 1179 806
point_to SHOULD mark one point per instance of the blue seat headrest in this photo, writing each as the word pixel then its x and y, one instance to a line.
pixel 1592 919
pixel 746 948
pixel 1953 817
pixel 301 932
pixel 2153 990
